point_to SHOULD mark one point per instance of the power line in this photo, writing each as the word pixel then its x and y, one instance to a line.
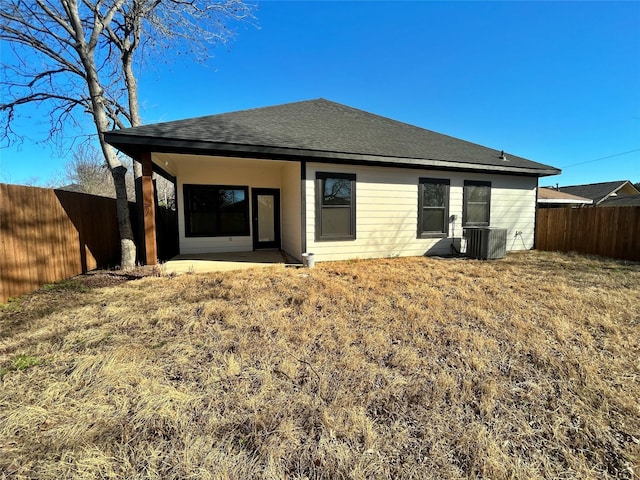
pixel 602 158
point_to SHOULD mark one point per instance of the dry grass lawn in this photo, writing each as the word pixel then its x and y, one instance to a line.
pixel 527 367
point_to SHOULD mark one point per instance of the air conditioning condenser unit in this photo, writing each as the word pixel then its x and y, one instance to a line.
pixel 485 243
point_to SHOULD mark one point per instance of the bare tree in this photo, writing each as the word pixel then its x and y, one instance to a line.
pixel 166 192
pixel 77 57
pixel 87 170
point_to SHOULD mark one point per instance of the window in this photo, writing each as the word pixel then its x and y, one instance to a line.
pixel 477 204
pixel 335 206
pixel 214 210
pixel 433 208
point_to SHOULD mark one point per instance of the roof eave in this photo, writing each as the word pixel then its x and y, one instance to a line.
pixel 134 145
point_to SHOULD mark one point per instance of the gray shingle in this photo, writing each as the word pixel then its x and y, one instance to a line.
pixel 594 191
pixel 319 128
pixel 621 201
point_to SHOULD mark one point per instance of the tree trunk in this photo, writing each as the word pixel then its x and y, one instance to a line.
pixel 127 243
pixel 132 89
pixel 134 113
pixel 64 36
pixel 86 54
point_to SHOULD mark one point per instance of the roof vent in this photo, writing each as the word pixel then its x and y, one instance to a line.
pixel 503 156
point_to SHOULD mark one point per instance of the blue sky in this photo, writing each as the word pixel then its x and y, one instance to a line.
pixel 554 82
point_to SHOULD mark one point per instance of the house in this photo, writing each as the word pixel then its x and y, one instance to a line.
pixel 621 201
pixel 317 176
pixel 552 198
pixel 601 192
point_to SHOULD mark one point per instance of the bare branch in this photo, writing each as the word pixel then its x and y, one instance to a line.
pixel 43 75
pixel 55 16
pixel 114 111
pixel 39 97
pixel 78 57
pixel 23 37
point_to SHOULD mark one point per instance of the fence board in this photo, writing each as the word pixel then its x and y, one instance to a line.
pixel 47 235
pixel 7 251
pixel 606 231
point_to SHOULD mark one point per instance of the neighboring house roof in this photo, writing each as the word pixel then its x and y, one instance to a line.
pixel 72 187
pixel 599 192
pixel 320 130
pixel 550 195
pixel 621 201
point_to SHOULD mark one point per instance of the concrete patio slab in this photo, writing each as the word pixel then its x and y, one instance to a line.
pixel 222 262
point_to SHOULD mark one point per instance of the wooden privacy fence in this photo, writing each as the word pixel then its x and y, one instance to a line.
pixel 606 231
pixel 47 235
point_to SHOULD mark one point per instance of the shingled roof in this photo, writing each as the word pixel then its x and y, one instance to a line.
pixel 550 195
pixel 596 191
pixel 622 201
pixel 319 130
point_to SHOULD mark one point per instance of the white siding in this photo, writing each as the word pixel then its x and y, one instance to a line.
pixel 206 170
pixel 513 202
pixel 387 212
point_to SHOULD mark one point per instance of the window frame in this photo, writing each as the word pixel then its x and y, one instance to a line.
pixel 321 177
pixel 476 183
pixel 188 189
pixel 421 207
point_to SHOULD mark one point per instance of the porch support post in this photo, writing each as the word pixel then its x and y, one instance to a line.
pixel 149 210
